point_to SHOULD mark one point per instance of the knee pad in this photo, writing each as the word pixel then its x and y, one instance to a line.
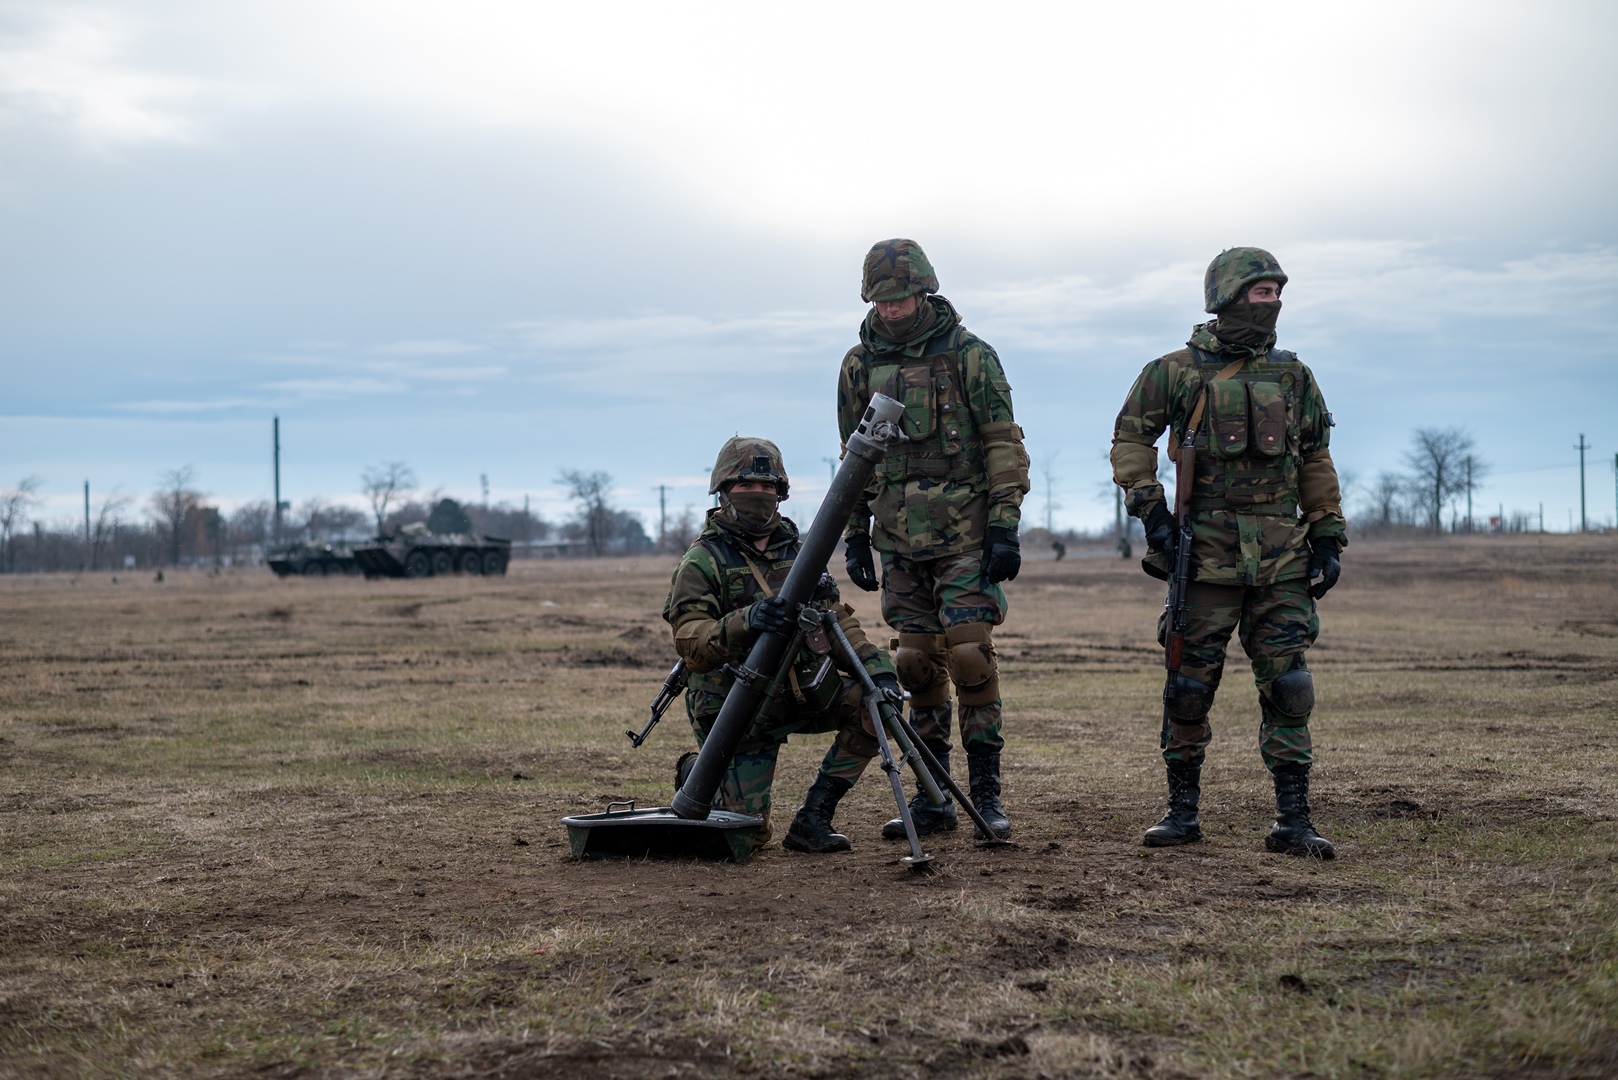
pixel 1191 701
pixel 1293 694
pixel 919 660
pixel 973 667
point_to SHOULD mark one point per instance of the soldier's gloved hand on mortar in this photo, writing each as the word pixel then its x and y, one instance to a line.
pixel 1002 555
pixel 889 685
pixel 768 616
pixel 860 566
pixel 1161 535
pixel 1324 564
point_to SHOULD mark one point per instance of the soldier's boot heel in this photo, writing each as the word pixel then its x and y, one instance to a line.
pixel 811 829
pixel 1293 832
pixel 926 817
pixel 983 766
pixel 1181 824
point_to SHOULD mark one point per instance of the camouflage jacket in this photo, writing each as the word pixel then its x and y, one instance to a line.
pixel 713 585
pixel 964 469
pixel 1267 485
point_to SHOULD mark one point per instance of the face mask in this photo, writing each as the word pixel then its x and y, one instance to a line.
pixel 1243 322
pixel 902 331
pixel 754 512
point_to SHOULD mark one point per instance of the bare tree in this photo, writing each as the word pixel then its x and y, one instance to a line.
pixel 106 520
pixel 174 504
pixel 1385 495
pixel 684 528
pixel 1437 475
pixel 384 483
pixel 589 490
pixel 14 506
pixel 1047 472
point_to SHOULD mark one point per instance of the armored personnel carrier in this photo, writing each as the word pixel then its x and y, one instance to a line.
pixel 311 560
pixel 416 551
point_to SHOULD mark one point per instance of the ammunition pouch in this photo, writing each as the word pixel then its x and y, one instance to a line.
pixel 1248 452
pixel 920 660
pixel 973 666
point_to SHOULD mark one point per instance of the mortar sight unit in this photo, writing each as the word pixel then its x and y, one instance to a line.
pixel 415 551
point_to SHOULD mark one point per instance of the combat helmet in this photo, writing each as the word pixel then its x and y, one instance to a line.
pixel 1233 270
pixel 747 457
pixel 894 269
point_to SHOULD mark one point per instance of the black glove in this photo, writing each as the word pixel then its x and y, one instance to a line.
pixel 767 616
pixel 1161 532
pixel 1324 564
pixel 1002 556
pixel 860 566
pixel 889 687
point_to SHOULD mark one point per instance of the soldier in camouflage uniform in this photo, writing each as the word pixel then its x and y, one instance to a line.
pixel 1267 518
pixel 945 505
pixel 724 594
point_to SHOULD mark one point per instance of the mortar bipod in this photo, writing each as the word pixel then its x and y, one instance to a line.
pixel 874 702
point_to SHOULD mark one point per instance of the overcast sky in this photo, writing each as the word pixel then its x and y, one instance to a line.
pixel 507 238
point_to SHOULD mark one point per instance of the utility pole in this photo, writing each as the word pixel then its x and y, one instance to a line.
pixel 278 504
pixel 1581 448
pixel 87 517
pixel 483 479
pixel 1117 512
pixel 831 466
pixel 1469 493
pixel 1615 484
pixel 662 516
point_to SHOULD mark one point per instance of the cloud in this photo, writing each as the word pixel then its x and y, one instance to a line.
pixel 427 348
pixel 70 70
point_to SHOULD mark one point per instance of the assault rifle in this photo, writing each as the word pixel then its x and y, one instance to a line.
pixel 1185 464
pixel 673 686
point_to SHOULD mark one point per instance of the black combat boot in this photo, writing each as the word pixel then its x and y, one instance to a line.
pixel 1294 833
pixel 927 817
pixel 811 826
pixel 983 766
pixel 683 767
pixel 1180 825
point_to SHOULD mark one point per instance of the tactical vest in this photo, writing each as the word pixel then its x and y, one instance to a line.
pixel 1248 443
pixel 814 684
pixel 944 440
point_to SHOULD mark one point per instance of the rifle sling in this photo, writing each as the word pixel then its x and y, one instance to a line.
pixel 792 673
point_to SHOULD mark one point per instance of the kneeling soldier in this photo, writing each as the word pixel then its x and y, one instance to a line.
pixel 1266 517
pixel 722 597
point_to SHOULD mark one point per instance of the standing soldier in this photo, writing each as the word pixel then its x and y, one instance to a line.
pixel 946 506
pixel 1267 518
pixel 724 594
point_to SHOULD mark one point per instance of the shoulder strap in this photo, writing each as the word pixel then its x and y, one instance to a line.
pixel 758 576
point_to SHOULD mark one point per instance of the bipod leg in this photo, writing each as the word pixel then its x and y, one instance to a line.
pixel 873 698
pixel 954 788
pixel 917 857
pixel 924 776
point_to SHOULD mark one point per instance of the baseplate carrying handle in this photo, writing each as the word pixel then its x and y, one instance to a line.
pixel 621 804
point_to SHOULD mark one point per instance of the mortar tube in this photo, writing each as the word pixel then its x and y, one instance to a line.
pixel 867 446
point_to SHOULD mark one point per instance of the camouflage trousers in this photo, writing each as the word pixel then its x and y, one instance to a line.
pixel 1277 624
pixel 745 787
pixel 928 597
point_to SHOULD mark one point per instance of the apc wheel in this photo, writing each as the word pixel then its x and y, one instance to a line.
pixel 314 569
pixel 494 564
pixel 471 563
pixel 417 564
pixel 442 563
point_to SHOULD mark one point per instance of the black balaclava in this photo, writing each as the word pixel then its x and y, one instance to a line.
pixel 911 327
pixel 753 513
pixel 1242 322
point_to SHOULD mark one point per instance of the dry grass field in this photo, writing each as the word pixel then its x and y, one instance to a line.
pixel 252 827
